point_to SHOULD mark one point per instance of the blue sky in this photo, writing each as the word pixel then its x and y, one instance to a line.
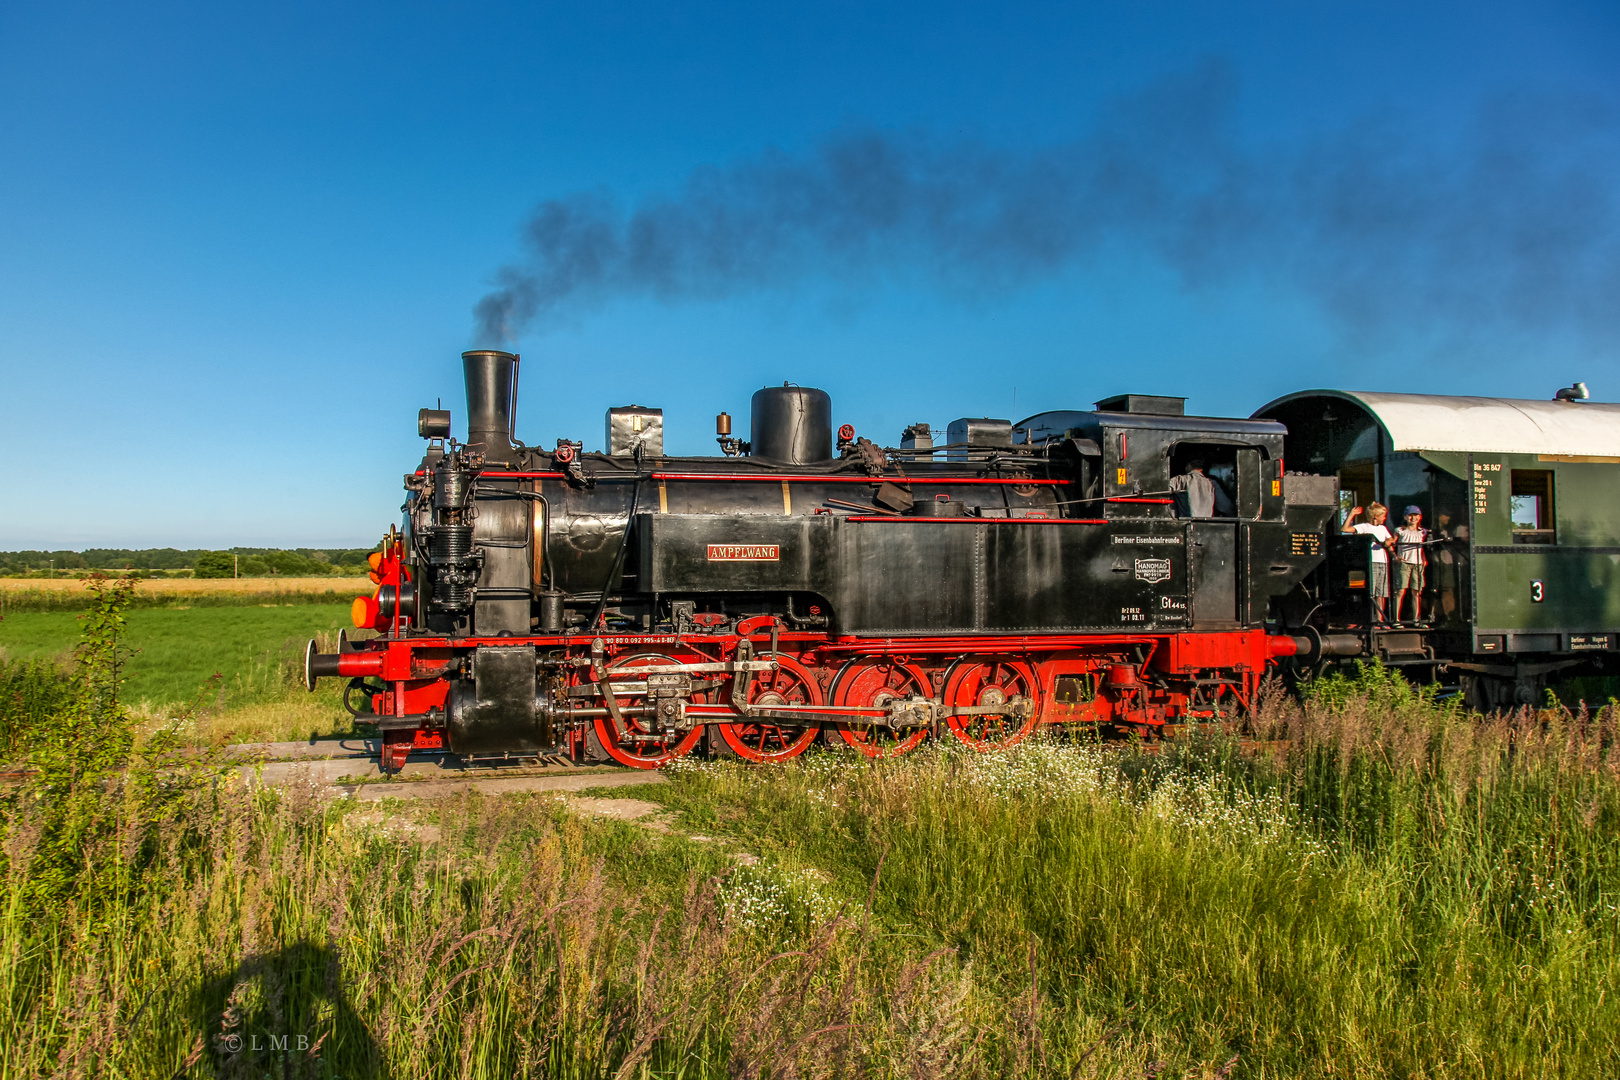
pixel 241 244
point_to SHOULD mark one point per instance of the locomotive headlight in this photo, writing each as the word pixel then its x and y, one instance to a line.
pixel 433 423
pixel 364 611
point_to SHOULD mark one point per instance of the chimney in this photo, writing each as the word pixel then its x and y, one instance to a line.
pixel 491 394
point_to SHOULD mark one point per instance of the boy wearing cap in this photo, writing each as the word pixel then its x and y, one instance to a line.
pixel 1410 561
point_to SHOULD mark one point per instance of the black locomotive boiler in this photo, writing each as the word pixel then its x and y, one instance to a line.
pixel 631 606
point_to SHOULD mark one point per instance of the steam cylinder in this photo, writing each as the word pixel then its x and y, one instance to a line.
pixel 791 424
pixel 491 388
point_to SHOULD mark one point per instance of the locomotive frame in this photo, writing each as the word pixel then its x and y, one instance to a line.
pixel 764 692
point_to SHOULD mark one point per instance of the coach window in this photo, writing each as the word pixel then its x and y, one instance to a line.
pixel 1532 505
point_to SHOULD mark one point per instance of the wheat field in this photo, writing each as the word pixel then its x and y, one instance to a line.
pixel 192 587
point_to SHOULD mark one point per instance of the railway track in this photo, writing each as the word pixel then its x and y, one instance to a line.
pixel 354 767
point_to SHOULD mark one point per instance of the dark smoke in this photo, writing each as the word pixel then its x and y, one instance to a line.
pixel 1514 225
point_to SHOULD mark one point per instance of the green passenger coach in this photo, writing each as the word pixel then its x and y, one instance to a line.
pixel 1522 502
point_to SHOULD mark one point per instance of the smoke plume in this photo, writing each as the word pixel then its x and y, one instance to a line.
pixel 1513 225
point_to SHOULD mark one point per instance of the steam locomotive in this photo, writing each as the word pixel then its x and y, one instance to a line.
pixel 807 586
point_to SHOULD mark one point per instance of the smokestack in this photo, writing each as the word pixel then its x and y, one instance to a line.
pixel 491 390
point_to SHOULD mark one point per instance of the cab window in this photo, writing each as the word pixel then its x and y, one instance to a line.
pixel 1235 470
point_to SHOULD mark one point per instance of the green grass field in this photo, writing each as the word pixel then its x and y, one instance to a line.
pixel 1393 889
pixel 177 652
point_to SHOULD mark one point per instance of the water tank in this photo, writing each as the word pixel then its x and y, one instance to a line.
pixel 791 424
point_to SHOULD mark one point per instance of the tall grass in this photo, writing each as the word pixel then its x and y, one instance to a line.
pixel 501 948
pixel 1389 888
pixel 1398 889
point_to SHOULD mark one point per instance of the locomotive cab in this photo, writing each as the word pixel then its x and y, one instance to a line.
pixel 1241 560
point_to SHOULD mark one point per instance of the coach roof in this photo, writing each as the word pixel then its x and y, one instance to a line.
pixel 1481 424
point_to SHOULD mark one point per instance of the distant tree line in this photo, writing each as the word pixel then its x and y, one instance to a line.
pixel 245 561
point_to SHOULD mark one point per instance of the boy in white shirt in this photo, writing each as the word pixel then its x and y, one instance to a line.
pixel 1383 545
pixel 1410 561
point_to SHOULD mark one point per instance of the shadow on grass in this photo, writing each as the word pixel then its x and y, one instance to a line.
pixel 287 1013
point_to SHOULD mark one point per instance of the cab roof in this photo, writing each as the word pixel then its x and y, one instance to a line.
pixel 1048 425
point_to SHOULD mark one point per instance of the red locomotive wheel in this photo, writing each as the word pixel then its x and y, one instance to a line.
pixel 978 683
pixel 641 742
pixel 873 683
pixel 768 738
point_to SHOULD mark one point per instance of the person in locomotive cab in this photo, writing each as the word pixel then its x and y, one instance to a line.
pixel 1410 560
pixel 1383 546
pixel 1199 496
